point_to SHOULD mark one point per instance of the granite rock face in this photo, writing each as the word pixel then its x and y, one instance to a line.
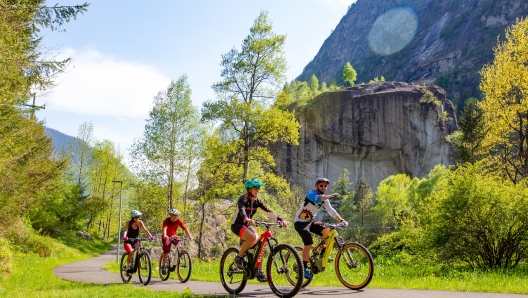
pixel 373 130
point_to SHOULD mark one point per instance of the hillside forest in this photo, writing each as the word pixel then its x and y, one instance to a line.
pixel 470 215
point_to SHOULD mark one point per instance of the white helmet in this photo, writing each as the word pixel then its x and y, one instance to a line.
pixel 135 213
pixel 174 211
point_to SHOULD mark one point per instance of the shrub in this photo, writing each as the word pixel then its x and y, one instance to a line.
pixel 6 256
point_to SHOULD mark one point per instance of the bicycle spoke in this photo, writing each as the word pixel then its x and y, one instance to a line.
pixel 354 266
pixel 184 266
pixel 283 271
pixel 232 278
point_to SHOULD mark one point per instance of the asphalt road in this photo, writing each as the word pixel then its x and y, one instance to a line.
pixel 91 271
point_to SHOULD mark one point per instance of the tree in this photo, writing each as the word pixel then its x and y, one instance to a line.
pixel 251 79
pixel 363 200
pixel 29 171
pixel 160 154
pixel 467 141
pixel 349 74
pixel 314 85
pixel 505 87
pixel 23 68
pixel 79 151
pixel 342 187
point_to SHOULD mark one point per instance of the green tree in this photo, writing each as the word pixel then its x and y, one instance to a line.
pixel 314 85
pixel 505 87
pixel 251 79
pixel 349 74
pixel 467 141
pixel 480 219
pixel 345 206
pixel 392 207
pixel 160 154
pixel 362 198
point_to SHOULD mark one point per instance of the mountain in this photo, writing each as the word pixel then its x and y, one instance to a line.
pixel 445 42
pixel 60 140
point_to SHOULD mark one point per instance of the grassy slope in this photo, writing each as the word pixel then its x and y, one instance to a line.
pixel 33 276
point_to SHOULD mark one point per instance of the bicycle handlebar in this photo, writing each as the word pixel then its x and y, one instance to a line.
pixel 333 226
pixel 139 239
pixel 269 224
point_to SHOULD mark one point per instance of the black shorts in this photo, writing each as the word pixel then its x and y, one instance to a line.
pixel 237 227
pixel 306 236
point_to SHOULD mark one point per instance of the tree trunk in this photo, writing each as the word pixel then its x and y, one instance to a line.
pixel 202 220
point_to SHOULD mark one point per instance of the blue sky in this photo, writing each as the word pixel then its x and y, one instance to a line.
pixel 124 52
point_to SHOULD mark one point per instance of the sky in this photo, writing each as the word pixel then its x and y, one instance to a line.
pixel 124 52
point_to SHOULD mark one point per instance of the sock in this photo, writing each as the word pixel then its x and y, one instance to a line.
pixel 305 264
pixel 323 251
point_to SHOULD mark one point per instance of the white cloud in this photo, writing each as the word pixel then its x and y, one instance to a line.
pixel 99 85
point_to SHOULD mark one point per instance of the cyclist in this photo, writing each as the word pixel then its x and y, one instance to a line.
pixel 242 224
pixel 132 231
pixel 304 218
pixel 170 226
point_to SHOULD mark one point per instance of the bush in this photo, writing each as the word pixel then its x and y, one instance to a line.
pixel 6 256
pixel 481 219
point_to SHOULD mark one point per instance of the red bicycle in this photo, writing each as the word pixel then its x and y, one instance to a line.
pixel 282 268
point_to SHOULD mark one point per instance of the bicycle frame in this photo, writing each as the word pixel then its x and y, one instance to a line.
pixel 136 253
pixel 261 245
pixel 332 236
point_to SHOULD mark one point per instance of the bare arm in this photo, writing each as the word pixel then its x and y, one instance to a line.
pixel 144 228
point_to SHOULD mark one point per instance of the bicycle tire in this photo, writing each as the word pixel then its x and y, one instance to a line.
pixel 144 266
pixel 184 266
pixel 125 277
pixel 305 280
pixel 283 280
pixel 228 271
pixel 165 264
pixel 356 273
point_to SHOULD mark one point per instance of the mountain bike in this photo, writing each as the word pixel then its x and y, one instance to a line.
pixel 282 279
pixel 353 263
pixel 183 261
pixel 140 262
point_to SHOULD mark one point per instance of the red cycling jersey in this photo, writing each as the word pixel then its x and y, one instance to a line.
pixel 172 226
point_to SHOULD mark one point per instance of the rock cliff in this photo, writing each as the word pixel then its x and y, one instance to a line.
pixel 372 130
pixel 446 42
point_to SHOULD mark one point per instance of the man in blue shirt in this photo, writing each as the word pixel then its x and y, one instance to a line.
pixel 304 219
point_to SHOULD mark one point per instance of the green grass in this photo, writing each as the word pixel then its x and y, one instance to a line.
pixel 32 276
pixel 396 276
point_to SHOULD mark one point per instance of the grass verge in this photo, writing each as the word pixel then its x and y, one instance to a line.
pixel 32 275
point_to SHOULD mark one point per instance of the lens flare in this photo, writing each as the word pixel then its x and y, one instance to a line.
pixel 393 30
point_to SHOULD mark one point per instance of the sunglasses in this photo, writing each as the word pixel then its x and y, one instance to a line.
pixel 256 187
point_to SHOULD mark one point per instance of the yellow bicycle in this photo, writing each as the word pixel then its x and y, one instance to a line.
pixel 353 263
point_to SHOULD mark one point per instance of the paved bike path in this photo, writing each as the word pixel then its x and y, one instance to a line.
pixel 92 271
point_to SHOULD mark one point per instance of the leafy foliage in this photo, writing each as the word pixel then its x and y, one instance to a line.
pixel 247 121
pixel 349 74
pixel 505 107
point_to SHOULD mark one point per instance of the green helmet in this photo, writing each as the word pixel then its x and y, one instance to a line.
pixel 252 183
pixel 135 213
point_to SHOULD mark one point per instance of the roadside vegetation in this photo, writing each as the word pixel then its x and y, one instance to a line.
pixel 461 228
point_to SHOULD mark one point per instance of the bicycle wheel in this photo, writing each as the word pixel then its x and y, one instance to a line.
pixel 184 266
pixel 283 279
pixel 164 265
pixel 233 279
pixel 354 266
pixel 123 268
pixel 305 280
pixel 144 268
